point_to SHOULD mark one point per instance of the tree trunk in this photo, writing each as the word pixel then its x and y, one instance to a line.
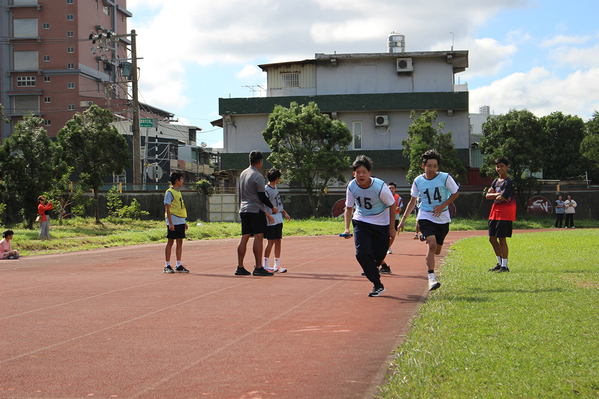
pixel 97 207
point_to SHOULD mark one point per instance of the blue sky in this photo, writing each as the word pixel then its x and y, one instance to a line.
pixel 534 54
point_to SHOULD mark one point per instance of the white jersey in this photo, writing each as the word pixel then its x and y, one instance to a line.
pixel 432 193
pixel 275 198
pixel 372 203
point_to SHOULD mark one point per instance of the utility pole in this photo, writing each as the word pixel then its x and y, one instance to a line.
pixel 136 132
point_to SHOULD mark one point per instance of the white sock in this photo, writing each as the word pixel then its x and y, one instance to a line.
pixel 504 262
pixel 178 263
pixel 499 260
pixel 168 263
pixel 277 263
pixel 266 263
pixel 431 276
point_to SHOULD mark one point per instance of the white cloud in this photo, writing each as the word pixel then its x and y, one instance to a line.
pixel 541 92
pixel 576 57
pixel 561 40
pixel 488 57
pixel 248 71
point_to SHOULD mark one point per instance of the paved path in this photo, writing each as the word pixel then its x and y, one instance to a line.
pixel 108 323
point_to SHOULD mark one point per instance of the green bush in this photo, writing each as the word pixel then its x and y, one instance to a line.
pixel 204 186
pixel 133 211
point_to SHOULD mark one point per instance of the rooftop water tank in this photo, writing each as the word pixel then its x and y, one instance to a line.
pixel 396 43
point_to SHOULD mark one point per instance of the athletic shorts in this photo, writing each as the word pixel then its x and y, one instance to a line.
pixel 274 232
pixel 500 228
pixel 396 224
pixel 253 223
pixel 178 233
pixel 428 228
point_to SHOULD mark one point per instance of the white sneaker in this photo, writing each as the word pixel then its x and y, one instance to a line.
pixel 433 284
pixel 281 270
pixel 389 251
pixel 270 269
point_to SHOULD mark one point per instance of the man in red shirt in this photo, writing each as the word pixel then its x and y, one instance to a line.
pixel 503 213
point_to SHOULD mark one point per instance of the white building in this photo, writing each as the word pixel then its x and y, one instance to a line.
pixel 373 94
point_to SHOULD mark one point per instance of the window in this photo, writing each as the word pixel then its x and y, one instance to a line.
pixel 25 81
pixel 46 58
pixel 71 107
pixel 70 65
pixel 70 85
pixel 357 133
pixel 106 10
pixel 25 104
pixel 25 27
pixel 70 50
pixel 290 79
pixel 70 17
pixel 26 60
pixel 69 1
pixel 70 33
pixel 47 100
pixel 46 26
pixel 46 78
pixel 47 122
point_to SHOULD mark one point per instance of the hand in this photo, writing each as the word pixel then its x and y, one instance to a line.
pixel 437 210
pixel 392 231
pixel 400 226
pixel 271 220
pixel 274 210
pixel 171 227
pixel 347 234
pixel 287 217
pixel 186 226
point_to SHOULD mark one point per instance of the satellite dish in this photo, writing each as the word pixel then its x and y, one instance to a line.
pixel 154 172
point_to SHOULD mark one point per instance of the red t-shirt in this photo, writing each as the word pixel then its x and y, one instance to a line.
pixel 41 209
pixel 504 210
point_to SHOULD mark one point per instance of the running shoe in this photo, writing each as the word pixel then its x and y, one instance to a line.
pixel 260 271
pixel 281 270
pixel 389 251
pixel 168 270
pixel 241 271
pixel 496 268
pixel 433 284
pixel 503 269
pixel 377 291
pixel 181 269
pixel 385 269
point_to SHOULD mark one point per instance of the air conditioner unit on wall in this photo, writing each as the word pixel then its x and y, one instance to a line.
pixel 381 120
pixel 86 103
pixel 404 65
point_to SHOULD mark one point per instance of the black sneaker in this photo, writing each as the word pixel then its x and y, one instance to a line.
pixel 168 269
pixel 181 269
pixel 503 270
pixel 385 269
pixel 240 271
pixel 422 237
pixel 377 291
pixel 260 271
pixel 496 268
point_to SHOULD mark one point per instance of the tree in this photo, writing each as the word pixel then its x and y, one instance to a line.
pixel 519 136
pixel 68 200
pixel 94 148
pixel 423 136
pixel 564 136
pixel 30 164
pixel 309 146
pixel 589 147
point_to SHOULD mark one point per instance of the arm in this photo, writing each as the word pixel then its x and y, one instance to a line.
pixel 439 208
pixel 171 226
pixel 287 217
pixel 409 209
pixel 264 198
pixel 392 209
pixel 347 216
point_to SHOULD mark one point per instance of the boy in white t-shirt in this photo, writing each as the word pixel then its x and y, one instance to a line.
pixel 372 220
pixel 274 230
pixel 436 190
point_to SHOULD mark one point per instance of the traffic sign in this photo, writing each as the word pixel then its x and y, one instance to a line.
pixel 146 123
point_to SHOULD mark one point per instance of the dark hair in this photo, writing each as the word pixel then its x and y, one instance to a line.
pixel 255 157
pixel 273 174
pixel 41 198
pixel 392 184
pixel 502 160
pixel 362 160
pixel 7 233
pixel 431 154
pixel 175 176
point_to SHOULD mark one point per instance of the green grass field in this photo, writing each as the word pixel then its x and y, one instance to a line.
pixel 530 333
pixel 83 233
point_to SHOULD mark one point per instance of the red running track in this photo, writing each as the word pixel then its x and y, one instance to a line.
pixel 108 323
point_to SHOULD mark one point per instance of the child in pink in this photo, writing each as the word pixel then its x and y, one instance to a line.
pixel 5 247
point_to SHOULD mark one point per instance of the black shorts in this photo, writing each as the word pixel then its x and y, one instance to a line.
pixel 396 224
pixel 274 232
pixel 500 228
pixel 428 228
pixel 253 223
pixel 178 233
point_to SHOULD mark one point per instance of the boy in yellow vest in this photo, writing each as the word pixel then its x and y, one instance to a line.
pixel 175 220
